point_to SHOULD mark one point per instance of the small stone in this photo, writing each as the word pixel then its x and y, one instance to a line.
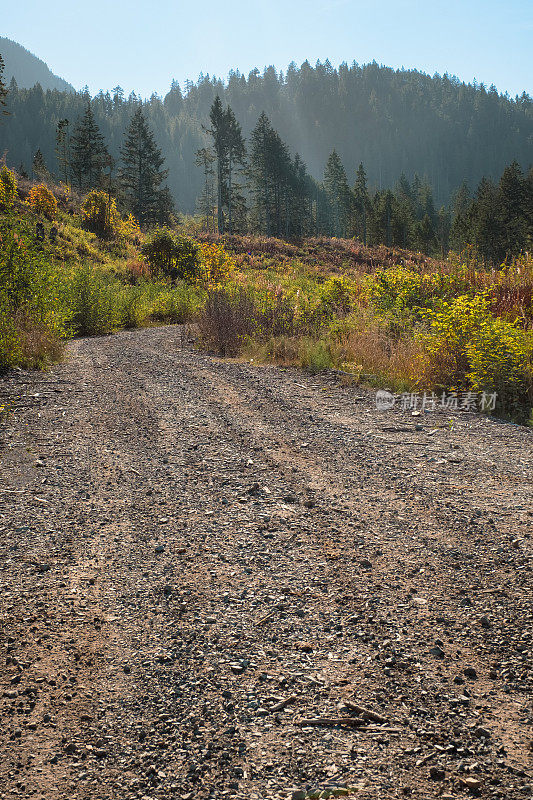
pixel 237 669
pixel 485 622
pixel 366 564
pixel 305 647
pixel 437 651
pixel 470 672
pixel 437 774
pixel 100 752
pixel 482 733
pixel 160 548
pixel 290 498
pixel 472 784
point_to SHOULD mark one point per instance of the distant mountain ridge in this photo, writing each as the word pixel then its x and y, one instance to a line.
pixel 27 69
pixel 398 123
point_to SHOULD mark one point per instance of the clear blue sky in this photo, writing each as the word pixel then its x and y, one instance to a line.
pixel 142 45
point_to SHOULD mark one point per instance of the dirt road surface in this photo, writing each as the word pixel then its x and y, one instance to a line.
pixel 202 562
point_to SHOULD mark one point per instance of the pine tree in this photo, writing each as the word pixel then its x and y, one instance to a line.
pixel 258 172
pixel 141 175
pixel 513 193
pixel 88 151
pixel 39 168
pixel 460 231
pixel 3 90
pixel 206 203
pixel 63 149
pixel 218 131
pixel 273 180
pixel 485 222
pixel 443 230
pixel 339 195
pixel 361 203
pixel 236 153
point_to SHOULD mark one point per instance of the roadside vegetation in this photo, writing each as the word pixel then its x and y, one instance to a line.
pixel 73 265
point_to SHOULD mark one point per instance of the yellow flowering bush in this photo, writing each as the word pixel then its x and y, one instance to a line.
pixel 216 265
pixel 42 201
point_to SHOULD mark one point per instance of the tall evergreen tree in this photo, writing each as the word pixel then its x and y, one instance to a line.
pixel 141 174
pixel 361 203
pixel 236 153
pixel 339 195
pixel 63 149
pixel 3 90
pixel 259 173
pixel 206 202
pixel 39 168
pixel 460 224
pixel 485 222
pixel 88 151
pixel 218 131
pixel 514 223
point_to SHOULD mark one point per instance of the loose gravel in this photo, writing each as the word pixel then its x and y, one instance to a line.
pixel 221 580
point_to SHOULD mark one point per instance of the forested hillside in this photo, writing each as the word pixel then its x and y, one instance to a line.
pixel 27 69
pixel 393 121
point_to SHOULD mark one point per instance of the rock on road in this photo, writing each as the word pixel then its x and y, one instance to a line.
pixel 220 580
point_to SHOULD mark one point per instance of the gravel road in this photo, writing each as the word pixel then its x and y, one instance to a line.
pixel 220 580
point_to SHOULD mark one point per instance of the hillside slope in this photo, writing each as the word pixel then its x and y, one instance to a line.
pixel 27 69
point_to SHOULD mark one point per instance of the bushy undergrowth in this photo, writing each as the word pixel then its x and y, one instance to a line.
pixel 389 318
pixel 33 318
pixel 49 293
pixel 457 328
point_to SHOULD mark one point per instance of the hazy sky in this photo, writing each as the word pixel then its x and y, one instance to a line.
pixel 142 45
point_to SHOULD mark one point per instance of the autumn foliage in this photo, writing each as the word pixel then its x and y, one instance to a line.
pixel 42 201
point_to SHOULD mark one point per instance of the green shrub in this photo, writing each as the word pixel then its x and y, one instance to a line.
pixel 135 307
pixel 169 255
pixel 500 359
pixel 467 348
pixel 8 189
pixel 176 304
pixel 315 356
pixel 100 215
pixel 32 313
pixel 94 302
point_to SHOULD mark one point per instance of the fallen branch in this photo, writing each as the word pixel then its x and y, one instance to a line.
pixel 353 722
pixel 365 713
pixel 279 706
pixel 265 618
